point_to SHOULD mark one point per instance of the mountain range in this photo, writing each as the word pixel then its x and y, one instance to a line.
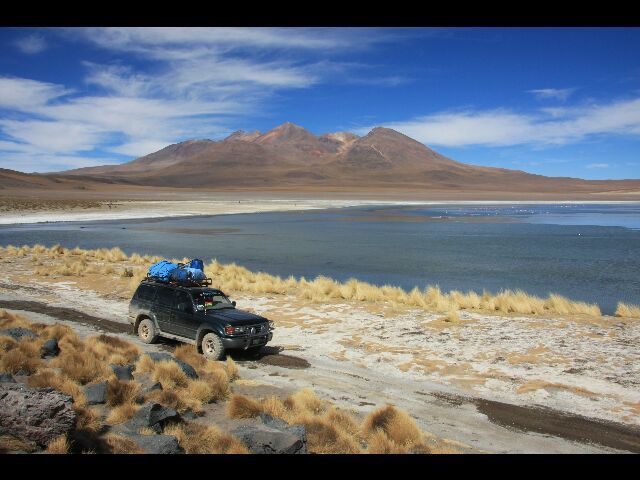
pixel 289 157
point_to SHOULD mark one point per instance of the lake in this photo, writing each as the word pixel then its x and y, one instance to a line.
pixel 586 252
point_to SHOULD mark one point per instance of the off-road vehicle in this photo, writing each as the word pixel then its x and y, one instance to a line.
pixel 201 316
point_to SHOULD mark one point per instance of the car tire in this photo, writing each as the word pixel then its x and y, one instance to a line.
pixel 212 347
pixel 147 331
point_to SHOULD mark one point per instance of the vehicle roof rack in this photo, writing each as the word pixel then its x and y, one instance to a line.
pixel 206 282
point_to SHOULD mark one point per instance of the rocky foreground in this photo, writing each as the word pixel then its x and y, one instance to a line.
pixel 60 393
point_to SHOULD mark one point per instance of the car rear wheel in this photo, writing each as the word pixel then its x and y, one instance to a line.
pixel 147 331
pixel 212 347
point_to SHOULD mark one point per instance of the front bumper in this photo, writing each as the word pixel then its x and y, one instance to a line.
pixel 246 342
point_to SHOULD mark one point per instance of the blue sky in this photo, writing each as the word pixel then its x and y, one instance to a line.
pixel 553 101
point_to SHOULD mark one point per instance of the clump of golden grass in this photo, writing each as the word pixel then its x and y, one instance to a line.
pixel 170 375
pixel 51 378
pixel 121 444
pixel 452 317
pixel 240 406
pixel 329 430
pixel 122 413
pixel 119 393
pixel 627 310
pixel 87 419
pixel 197 438
pixel 113 349
pixel 181 392
pixel 81 366
pixel 400 430
pixel 59 445
pixel 23 357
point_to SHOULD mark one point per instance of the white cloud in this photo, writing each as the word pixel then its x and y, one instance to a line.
pixel 23 94
pixel 504 127
pixel 144 39
pixel 31 44
pixel 553 93
pixel 597 165
pixel 52 136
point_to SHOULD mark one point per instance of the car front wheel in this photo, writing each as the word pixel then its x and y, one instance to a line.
pixel 212 347
pixel 147 331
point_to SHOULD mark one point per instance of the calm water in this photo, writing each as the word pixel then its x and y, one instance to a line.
pixel 586 252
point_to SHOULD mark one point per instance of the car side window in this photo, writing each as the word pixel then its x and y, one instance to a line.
pixel 145 292
pixel 183 297
pixel 165 297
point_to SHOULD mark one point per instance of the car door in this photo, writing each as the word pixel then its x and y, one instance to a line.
pixel 163 306
pixel 182 317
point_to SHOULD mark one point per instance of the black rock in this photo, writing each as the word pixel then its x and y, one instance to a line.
pixel 153 388
pixel 18 333
pixel 189 415
pixel 35 414
pixel 50 348
pixel 151 415
pixel 186 368
pixel 7 378
pixel 123 372
pixel 157 444
pixel 268 440
pixel 96 393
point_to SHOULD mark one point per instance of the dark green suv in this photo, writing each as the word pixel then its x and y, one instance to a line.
pixel 202 316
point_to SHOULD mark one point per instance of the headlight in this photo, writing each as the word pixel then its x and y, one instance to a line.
pixel 271 325
pixel 231 330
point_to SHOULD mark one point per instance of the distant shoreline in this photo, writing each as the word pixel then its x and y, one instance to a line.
pixel 74 211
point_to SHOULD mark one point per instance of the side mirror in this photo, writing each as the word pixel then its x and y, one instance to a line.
pixel 233 303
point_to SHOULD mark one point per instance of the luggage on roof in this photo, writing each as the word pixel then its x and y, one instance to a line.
pixel 186 274
pixel 162 270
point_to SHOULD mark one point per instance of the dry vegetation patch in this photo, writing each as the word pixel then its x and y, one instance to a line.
pixel 332 430
pixel 127 271
pixel 196 438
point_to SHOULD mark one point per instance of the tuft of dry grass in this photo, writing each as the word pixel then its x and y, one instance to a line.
pixel 88 419
pixel 212 384
pixel 21 356
pixel 120 393
pixel 627 310
pixel 113 349
pixel 59 446
pixel 232 369
pixel 47 377
pixel 82 366
pixel 240 406
pixel 170 375
pixel 122 413
pixel 121 444
pixel 452 317
pixel 396 425
pixel 197 438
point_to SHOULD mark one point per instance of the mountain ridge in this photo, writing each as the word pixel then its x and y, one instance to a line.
pixel 290 157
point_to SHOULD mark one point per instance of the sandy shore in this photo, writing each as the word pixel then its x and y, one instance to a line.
pixel 49 211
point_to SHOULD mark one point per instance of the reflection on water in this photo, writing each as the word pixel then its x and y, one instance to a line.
pixel 586 252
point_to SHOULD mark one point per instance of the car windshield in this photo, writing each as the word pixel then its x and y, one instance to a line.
pixel 211 301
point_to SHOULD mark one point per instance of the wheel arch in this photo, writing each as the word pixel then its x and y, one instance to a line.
pixel 202 331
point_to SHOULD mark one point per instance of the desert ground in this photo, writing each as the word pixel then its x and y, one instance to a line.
pixel 560 380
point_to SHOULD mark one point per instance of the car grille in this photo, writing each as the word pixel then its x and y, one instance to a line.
pixel 257 329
